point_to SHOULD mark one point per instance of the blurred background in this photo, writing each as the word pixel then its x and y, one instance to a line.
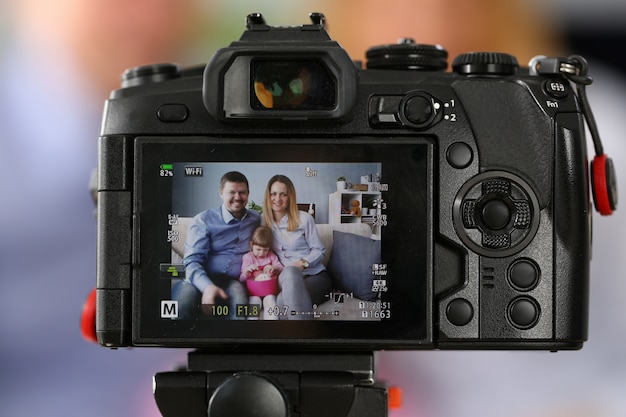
pixel 58 61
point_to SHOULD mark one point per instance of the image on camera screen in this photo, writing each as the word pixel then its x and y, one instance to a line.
pixel 292 85
pixel 336 235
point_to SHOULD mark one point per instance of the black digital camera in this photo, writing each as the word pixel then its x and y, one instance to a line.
pixel 465 221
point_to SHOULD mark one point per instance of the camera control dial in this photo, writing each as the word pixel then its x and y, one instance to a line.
pixel 487 63
pixel 496 214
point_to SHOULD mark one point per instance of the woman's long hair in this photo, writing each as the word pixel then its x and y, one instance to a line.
pixel 293 215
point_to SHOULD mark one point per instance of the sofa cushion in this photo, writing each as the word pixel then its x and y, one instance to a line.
pixel 351 261
pixel 325 232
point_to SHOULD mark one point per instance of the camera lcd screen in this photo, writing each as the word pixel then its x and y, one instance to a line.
pixel 356 268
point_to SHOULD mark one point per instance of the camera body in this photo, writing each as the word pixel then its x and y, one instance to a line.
pixel 473 187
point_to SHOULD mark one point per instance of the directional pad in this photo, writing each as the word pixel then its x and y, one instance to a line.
pixel 496 214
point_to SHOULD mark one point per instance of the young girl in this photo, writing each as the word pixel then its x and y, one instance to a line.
pixel 259 271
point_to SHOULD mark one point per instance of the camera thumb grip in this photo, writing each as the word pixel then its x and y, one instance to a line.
pixel 88 318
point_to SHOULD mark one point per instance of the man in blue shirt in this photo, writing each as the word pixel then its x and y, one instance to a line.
pixel 217 239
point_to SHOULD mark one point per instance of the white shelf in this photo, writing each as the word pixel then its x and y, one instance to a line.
pixel 341 201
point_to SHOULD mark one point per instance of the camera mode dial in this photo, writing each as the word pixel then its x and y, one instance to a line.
pixel 407 55
pixel 147 74
pixel 485 63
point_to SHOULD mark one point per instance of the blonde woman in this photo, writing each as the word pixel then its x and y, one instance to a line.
pixel 304 281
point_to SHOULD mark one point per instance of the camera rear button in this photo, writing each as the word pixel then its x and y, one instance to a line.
pixel 496 214
pixel 524 313
pixel 555 89
pixel 172 113
pixel 459 312
pixel 459 155
pixel 524 275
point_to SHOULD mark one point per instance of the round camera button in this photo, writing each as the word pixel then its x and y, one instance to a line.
pixel 460 312
pixel 555 89
pixel 496 214
pixel 524 274
pixel 459 155
pixel 524 313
